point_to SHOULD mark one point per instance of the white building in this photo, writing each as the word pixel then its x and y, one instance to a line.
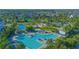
pixel 71 16
pixel 39 25
pixel 62 32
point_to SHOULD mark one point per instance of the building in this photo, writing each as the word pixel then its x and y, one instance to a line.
pixel 40 25
pixel 62 32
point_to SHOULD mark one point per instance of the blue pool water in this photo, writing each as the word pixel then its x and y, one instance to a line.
pixel 45 36
pixel 31 42
pixel 22 27
pixel 28 42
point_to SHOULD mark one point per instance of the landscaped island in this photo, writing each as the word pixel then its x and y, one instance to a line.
pixel 39 29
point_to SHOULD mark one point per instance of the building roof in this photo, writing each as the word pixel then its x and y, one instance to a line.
pixel 62 32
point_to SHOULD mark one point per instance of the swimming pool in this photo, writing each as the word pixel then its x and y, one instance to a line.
pixel 28 42
pixel 31 42
pixel 45 36
pixel 21 27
